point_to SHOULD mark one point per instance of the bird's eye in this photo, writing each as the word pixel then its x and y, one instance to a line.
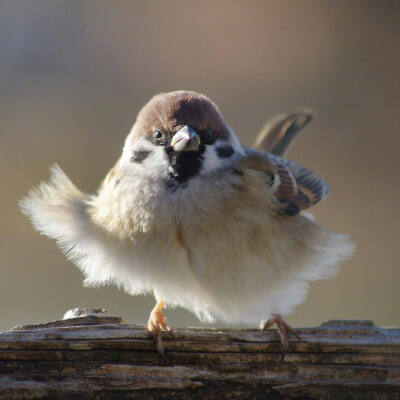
pixel 157 134
pixel 207 136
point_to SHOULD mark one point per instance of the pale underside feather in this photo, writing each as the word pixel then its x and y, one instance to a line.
pixel 217 248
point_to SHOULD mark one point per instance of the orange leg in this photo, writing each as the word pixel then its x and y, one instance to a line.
pixel 283 330
pixel 156 325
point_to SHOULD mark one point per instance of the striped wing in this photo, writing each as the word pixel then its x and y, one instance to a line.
pixel 298 188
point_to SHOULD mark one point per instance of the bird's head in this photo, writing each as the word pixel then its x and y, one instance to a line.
pixel 179 135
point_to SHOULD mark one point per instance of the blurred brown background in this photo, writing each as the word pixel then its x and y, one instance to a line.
pixel 73 75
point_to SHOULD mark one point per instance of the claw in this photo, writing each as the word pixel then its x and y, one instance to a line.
pixel 157 325
pixel 157 337
pixel 283 330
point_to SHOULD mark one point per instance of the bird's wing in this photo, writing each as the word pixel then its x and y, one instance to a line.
pixel 296 188
pixel 58 209
pixel 278 133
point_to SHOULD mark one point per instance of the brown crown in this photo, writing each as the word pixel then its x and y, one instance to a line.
pixel 169 111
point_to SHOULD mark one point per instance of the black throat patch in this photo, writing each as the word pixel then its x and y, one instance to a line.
pixel 184 164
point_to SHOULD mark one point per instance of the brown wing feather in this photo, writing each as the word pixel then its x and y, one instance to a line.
pixel 278 133
pixel 288 185
pixel 311 188
pixel 299 188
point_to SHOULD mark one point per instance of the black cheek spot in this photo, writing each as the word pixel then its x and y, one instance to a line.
pixel 225 151
pixel 140 155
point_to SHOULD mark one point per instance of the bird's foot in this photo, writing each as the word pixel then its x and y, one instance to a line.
pixel 157 324
pixel 283 330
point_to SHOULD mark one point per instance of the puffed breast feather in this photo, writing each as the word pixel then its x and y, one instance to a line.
pixel 231 255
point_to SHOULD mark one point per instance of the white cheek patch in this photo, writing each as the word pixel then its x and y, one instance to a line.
pixel 144 158
pixel 212 159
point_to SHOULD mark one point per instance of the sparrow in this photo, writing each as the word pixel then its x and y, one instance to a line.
pixel 195 218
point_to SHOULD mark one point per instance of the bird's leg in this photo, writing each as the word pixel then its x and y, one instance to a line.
pixel 156 325
pixel 283 330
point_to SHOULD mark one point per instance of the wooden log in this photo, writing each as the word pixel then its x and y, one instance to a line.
pixel 96 356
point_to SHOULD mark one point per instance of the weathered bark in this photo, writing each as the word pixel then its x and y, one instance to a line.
pixel 100 357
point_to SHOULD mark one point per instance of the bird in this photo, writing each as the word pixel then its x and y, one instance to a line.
pixel 197 219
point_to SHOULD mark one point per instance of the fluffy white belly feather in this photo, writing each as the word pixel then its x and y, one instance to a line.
pixel 223 263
